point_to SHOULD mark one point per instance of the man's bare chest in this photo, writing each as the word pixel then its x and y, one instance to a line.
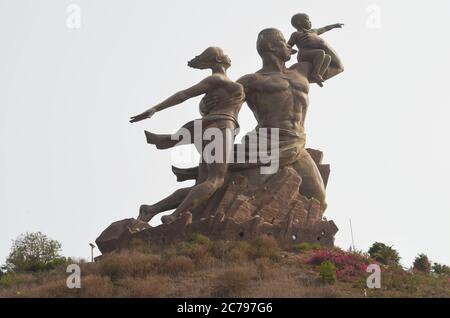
pixel 280 82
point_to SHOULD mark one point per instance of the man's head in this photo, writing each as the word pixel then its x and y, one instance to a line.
pixel 301 21
pixel 209 58
pixel 272 41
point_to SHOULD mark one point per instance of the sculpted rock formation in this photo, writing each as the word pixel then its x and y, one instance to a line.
pixel 242 209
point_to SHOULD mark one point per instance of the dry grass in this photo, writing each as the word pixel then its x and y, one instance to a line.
pixel 233 282
pixel 129 264
pixel 203 268
pixel 152 287
pixel 177 265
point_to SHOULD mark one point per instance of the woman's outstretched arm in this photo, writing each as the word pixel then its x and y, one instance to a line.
pixel 198 89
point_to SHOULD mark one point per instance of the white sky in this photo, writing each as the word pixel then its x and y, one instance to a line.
pixel 71 163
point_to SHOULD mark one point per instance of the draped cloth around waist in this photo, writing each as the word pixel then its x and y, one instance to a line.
pixel 219 121
pixel 283 146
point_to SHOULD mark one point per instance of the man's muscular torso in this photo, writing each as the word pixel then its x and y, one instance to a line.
pixel 279 99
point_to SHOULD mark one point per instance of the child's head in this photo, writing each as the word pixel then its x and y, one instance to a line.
pixel 209 58
pixel 301 21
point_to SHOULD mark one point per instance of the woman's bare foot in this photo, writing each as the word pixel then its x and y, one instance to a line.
pixel 160 141
pixel 146 213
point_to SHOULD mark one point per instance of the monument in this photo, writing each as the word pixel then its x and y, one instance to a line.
pixel 269 183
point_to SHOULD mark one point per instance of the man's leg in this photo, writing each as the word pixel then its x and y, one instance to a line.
pixel 312 184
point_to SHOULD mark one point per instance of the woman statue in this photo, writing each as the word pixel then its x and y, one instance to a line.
pixel 221 116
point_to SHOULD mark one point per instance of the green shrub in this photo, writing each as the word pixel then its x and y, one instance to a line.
pixel 199 239
pixel 303 247
pixel 12 279
pixel 422 264
pixel 327 272
pixel 316 246
pixel 7 280
pixel 384 254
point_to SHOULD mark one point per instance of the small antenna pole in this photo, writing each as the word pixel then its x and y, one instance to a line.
pixel 351 231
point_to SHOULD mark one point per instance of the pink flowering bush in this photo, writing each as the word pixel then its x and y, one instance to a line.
pixel 347 264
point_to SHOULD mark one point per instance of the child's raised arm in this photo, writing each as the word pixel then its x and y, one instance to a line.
pixel 327 28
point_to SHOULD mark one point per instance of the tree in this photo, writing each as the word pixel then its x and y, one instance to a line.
pixel 327 272
pixel 440 269
pixel 384 254
pixel 422 264
pixel 32 252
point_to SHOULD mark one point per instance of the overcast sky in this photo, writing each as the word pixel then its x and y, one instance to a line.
pixel 70 163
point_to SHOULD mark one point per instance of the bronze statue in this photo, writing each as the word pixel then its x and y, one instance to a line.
pixel 278 97
pixel 311 47
pixel 222 115
pixel 235 200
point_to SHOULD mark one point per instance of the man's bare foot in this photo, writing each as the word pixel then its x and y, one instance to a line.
pixel 166 219
pixel 146 213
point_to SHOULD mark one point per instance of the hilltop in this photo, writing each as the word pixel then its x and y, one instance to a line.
pixel 200 267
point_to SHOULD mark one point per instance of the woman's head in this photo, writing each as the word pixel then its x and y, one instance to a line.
pixel 210 58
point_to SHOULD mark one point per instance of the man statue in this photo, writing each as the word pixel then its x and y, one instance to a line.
pixel 278 97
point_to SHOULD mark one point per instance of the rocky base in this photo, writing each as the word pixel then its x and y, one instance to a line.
pixel 244 208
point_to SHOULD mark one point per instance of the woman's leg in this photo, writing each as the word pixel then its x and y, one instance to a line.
pixel 203 191
pixel 216 172
pixel 184 136
pixel 147 212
